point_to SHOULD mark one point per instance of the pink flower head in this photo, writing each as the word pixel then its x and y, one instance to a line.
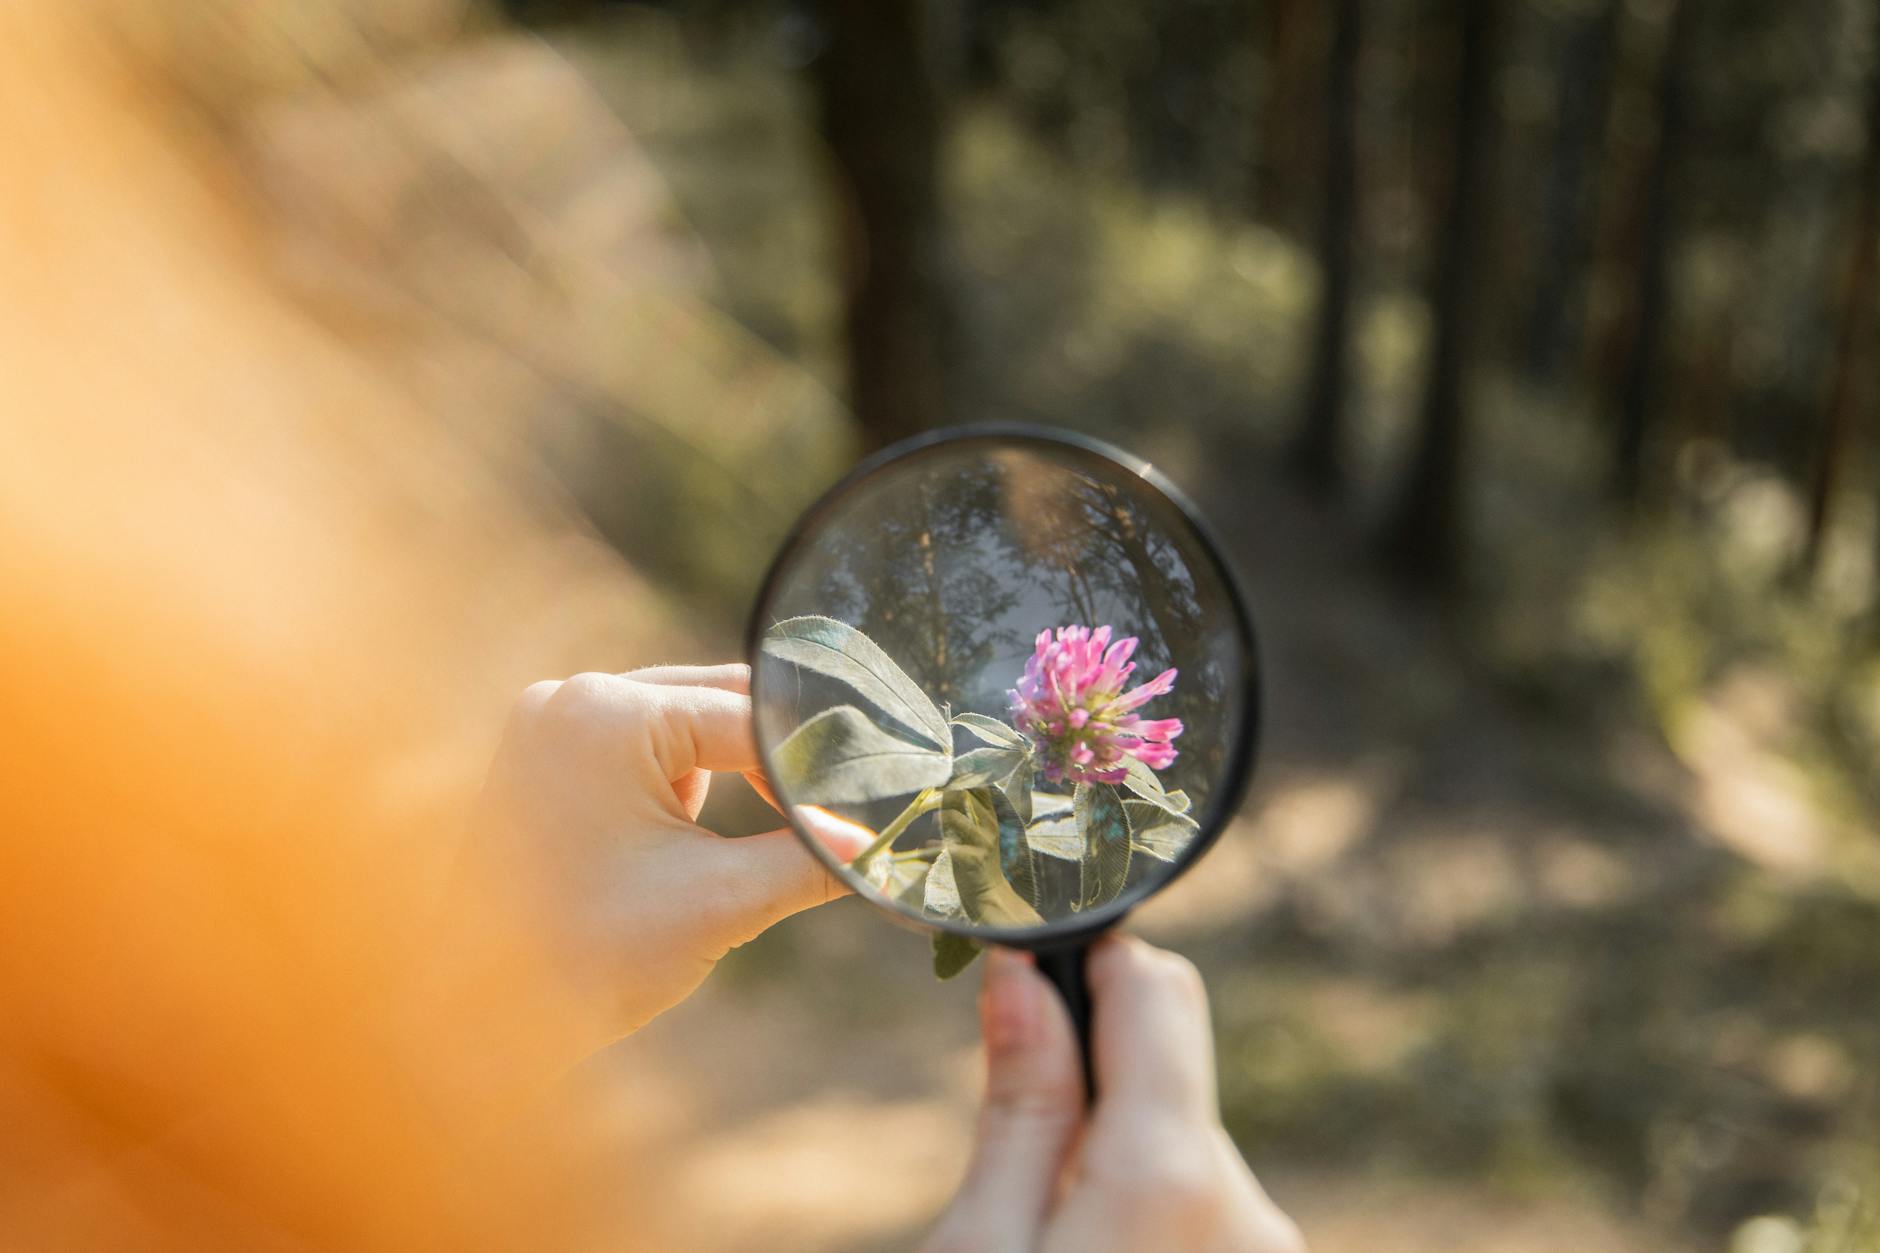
pixel 1072 704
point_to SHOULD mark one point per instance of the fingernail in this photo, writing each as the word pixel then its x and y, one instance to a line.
pixel 1010 1001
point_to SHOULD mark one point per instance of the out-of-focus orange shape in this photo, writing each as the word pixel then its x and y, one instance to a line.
pixel 258 623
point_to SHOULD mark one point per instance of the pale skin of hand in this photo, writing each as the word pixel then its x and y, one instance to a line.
pixel 592 804
pixel 1149 1167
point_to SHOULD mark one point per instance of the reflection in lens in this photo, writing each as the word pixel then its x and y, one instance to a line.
pixel 1019 666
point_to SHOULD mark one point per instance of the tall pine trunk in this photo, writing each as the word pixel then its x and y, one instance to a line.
pixel 1856 306
pixel 1284 156
pixel 880 108
pixel 1423 540
pixel 1586 76
pixel 1639 380
pixel 1319 448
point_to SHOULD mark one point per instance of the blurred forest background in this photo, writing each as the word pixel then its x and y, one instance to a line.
pixel 1527 352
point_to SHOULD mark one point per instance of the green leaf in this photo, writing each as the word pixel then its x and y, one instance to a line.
pixel 841 652
pixel 913 893
pixel 983 766
pixel 1016 858
pixel 1008 769
pixel 1105 828
pixel 1016 788
pixel 896 879
pixel 1053 829
pixel 991 730
pixel 1143 781
pixel 840 757
pixel 970 826
pixel 1157 832
pixel 1050 805
pixel 1164 843
pixel 952 953
pixel 1056 838
pixel 941 895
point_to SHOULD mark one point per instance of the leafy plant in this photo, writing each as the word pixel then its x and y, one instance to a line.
pixel 1000 851
pixel 840 756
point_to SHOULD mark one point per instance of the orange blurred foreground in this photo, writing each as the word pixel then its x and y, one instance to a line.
pixel 262 616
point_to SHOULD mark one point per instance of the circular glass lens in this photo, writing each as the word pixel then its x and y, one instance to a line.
pixel 1004 684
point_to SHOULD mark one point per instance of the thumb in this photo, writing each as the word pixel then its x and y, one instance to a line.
pixel 1034 1107
pixel 771 876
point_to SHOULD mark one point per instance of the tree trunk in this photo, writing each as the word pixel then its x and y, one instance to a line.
pixel 1586 75
pixel 880 110
pixel 1856 297
pixel 1319 449
pixel 1639 378
pixel 1424 538
pixel 1873 604
pixel 1288 33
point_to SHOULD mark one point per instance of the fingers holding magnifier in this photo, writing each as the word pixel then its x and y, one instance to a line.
pixel 1152 1042
pixel 1033 1108
pixel 729 677
pixel 760 880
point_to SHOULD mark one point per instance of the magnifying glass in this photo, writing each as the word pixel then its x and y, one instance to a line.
pixel 1015 661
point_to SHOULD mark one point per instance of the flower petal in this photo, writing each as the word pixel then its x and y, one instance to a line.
pixel 1158 686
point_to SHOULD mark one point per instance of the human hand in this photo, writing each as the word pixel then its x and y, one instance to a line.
pixel 591 808
pixel 1150 1168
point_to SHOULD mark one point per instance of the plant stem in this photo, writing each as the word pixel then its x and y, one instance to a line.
pixel 915 854
pixel 928 799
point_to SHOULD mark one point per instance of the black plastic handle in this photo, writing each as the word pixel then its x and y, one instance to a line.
pixel 1064 967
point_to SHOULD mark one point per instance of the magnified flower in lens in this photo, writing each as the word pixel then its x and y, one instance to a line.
pixel 1072 704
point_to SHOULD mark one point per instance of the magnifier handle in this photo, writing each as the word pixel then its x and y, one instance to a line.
pixel 1064 967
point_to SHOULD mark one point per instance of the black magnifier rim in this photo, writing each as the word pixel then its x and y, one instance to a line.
pixel 1223 802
